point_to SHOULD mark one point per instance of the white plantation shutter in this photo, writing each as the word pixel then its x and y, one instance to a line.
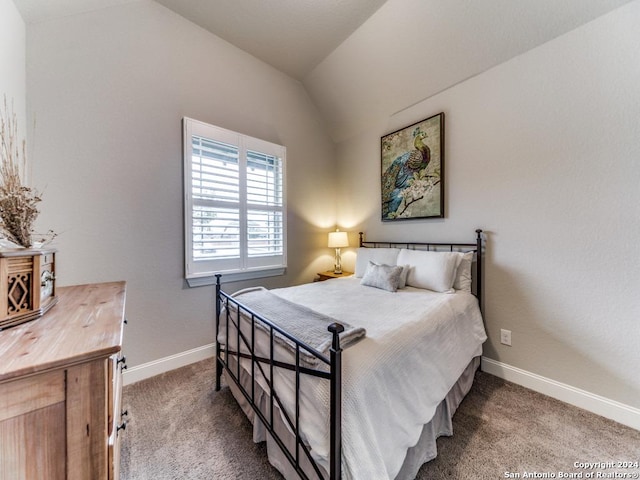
pixel 265 204
pixel 215 190
pixel 234 205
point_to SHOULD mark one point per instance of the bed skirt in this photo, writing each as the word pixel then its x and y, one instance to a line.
pixel 424 451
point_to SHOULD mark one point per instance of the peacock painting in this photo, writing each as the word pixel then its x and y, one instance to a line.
pixel 412 170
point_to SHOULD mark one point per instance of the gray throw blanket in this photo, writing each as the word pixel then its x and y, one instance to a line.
pixel 301 322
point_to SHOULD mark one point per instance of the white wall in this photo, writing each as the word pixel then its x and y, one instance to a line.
pixel 543 153
pixel 12 61
pixel 409 50
pixel 109 90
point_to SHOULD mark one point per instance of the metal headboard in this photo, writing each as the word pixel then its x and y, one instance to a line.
pixel 439 246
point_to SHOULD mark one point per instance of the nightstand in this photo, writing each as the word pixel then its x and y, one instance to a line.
pixel 329 274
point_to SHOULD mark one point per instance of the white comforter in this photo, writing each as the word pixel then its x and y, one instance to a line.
pixel 417 344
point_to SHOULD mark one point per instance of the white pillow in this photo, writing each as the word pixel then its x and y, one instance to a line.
pixel 431 270
pixel 403 275
pixel 386 256
pixel 386 277
pixel 463 274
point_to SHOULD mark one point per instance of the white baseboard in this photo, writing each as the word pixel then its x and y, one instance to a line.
pixel 597 404
pixel 602 406
pixel 156 367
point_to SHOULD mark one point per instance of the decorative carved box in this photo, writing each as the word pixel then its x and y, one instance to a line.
pixel 27 285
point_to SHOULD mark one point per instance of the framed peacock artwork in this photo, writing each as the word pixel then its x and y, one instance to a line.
pixel 413 171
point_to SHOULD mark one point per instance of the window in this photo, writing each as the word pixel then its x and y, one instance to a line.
pixel 234 205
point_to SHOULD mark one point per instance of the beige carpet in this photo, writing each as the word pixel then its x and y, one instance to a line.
pixel 180 428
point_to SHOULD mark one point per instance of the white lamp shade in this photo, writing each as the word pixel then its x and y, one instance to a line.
pixel 338 240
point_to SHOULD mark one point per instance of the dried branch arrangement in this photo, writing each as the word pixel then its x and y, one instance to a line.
pixel 18 203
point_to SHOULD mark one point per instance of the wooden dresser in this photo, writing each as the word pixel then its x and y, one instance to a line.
pixel 60 388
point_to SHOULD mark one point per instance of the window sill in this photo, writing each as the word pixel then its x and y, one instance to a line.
pixel 204 280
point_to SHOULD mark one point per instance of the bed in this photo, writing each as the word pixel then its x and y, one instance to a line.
pixel 355 378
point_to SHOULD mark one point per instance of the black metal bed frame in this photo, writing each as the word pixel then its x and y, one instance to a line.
pixel 230 310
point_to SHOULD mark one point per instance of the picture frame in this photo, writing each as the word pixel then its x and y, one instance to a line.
pixel 412 171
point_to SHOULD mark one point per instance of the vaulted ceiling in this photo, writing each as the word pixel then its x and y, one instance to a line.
pixel 291 35
pixel 364 58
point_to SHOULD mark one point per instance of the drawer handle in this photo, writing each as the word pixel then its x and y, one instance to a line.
pixel 122 426
pixel 47 277
pixel 122 361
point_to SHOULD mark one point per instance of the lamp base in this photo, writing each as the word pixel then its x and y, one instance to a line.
pixel 337 267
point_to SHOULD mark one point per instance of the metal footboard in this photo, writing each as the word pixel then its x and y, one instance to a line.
pixel 231 312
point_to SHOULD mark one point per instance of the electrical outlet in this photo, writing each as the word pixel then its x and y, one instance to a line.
pixel 505 337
